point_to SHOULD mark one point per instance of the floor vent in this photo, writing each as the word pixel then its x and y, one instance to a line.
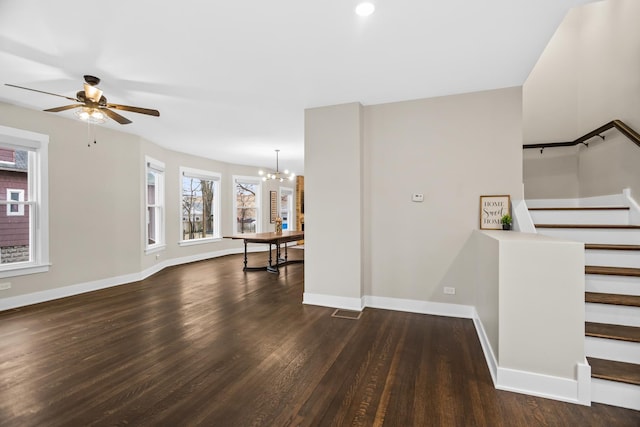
pixel 347 314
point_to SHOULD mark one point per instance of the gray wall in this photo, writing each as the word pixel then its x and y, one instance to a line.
pixel 452 149
pixel 588 75
pixel 97 203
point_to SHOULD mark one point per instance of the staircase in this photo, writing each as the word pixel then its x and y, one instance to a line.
pixel 612 294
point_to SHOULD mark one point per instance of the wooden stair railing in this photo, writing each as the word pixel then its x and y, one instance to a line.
pixel 617 124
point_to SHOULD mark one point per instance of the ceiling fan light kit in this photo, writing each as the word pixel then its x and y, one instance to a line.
pixel 93 105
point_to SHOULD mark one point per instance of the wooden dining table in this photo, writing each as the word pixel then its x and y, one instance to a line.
pixel 272 239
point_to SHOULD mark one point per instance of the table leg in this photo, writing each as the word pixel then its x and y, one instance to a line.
pixel 245 256
pixel 271 268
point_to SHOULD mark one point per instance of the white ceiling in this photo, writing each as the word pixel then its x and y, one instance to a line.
pixel 232 78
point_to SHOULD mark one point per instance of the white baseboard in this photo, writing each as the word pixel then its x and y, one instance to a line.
pixel 421 307
pixel 556 388
pixel 489 355
pixel 615 393
pixel 547 386
pixel 94 285
pixel 333 301
pixel 634 208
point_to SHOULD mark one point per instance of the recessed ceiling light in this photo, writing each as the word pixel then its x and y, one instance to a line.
pixel 365 9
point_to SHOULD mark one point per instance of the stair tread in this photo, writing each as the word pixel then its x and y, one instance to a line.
pixel 612 271
pixel 612 247
pixel 602 226
pixel 582 208
pixel 615 371
pixel 614 332
pixel 615 299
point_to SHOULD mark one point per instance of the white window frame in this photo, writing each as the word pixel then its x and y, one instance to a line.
pixel 20 193
pixel 157 167
pixel 209 176
pixel 253 180
pixel 38 190
pixel 291 206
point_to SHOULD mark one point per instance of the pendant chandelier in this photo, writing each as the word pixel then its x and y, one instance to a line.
pixel 277 175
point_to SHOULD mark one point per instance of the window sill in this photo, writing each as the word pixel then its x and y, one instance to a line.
pixel 199 241
pixel 23 270
pixel 154 249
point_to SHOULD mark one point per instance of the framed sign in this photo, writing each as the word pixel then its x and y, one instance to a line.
pixel 273 205
pixel 492 208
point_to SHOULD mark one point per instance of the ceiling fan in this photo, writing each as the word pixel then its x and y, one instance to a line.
pixel 93 103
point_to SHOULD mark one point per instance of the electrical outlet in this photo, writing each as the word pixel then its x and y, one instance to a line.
pixel 450 291
pixel 5 286
pixel 417 197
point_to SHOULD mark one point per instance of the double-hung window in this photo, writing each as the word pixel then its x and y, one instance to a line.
pixel 200 206
pixel 246 204
pixel 24 218
pixel 154 191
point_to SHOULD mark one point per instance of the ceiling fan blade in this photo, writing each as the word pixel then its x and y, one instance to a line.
pixel 41 91
pixel 147 111
pixel 66 107
pixel 115 116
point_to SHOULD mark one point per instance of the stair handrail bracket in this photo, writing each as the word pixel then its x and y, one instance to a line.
pixel 622 127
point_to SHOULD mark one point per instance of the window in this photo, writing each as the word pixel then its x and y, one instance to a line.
pixel 155 206
pixel 200 206
pixel 287 212
pixel 246 204
pixel 15 209
pixel 24 236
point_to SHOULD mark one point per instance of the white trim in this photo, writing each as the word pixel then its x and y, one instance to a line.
pixel 67 291
pixel 199 173
pixel 20 269
pixel 203 241
pixel 20 138
pixel 615 393
pixel 522 221
pixel 533 384
pixel 634 208
pixel 234 206
pixel 158 168
pixel 291 206
pixel 583 373
pixel 421 307
pixel 154 164
pixel 155 248
pixel 38 191
pixel 216 178
pixel 489 355
pixel 333 301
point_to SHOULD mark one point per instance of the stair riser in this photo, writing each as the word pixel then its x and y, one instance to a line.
pixel 621 285
pixel 616 394
pixel 612 314
pixel 620 351
pixel 630 259
pixel 606 236
pixel 581 217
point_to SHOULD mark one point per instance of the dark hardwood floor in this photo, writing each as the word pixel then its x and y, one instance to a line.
pixel 206 344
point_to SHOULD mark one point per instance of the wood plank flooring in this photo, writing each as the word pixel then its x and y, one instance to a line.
pixel 206 344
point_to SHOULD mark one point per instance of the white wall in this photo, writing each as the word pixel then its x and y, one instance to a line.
pixel 97 205
pixel 588 75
